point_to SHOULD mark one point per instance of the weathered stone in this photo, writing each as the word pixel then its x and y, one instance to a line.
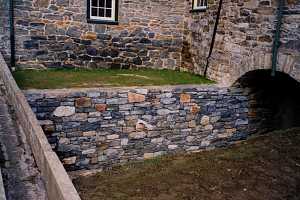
pixel 64 111
pixel 88 151
pixel 135 98
pixel 163 112
pixel 172 147
pixel 89 36
pixel 89 134
pixel 77 117
pixel 83 102
pixel 205 120
pixel 101 107
pixel 138 135
pixel 185 98
pixel 112 137
pixel 124 141
pixel 69 161
pixel 148 155
pixel 195 109
pixel 143 125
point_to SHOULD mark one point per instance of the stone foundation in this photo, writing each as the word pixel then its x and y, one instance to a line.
pixel 97 128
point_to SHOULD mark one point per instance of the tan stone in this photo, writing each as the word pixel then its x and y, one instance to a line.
pixel 205 120
pixel 148 155
pixel 140 127
pixel 89 134
pixel 185 98
pixel 83 102
pixel 69 161
pixel 135 98
pixel 101 107
pixel 102 146
pixel 192 124
pixel 89 36
pixel 195 109
pixel 228 133
pixel 41 3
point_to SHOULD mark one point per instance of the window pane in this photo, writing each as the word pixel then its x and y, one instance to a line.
pixel 108 13
pixel 108 3
pixel 94 12
pixel 101 3
pixel 94 3
pixel 101 12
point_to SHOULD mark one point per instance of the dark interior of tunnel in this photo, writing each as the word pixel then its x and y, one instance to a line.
pixel 274 101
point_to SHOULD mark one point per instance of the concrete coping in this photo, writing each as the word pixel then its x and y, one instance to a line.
pixel 2 191
pixel 58 184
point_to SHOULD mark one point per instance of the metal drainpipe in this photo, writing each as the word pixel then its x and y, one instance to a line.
pixel 12 35
pixel 276 43
pixel 213 37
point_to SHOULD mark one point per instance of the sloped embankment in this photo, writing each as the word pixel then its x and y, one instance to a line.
pixel 265 167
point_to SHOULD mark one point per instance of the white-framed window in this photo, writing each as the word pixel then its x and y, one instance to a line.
pixel 199 4
pixel 102 10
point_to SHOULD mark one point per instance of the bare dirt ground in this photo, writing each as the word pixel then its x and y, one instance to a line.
pixel 263 168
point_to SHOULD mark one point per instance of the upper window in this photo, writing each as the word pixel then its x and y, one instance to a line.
pixel 102 10
pixel 199 4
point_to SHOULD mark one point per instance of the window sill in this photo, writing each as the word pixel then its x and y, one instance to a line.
pixel 198 10
pixel 95 21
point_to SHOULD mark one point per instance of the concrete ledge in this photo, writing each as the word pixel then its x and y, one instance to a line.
pixel 58 184
pixel 2 191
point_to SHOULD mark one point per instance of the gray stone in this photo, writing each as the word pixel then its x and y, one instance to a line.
pixel 64 111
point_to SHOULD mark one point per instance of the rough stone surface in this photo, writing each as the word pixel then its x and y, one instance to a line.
pixel 154 34
pixel 22 179
pixel 64 111
pixel 135 98
pixel 164 120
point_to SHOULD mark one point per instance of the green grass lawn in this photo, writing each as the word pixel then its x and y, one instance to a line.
pixel 74 78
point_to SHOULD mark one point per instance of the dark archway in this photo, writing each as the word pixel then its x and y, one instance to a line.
pixel 274 101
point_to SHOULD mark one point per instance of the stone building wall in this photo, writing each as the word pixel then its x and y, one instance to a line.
pixel 245 39
pixel 4 30
pixel 97 128
pixel 199 27
pixel 56 34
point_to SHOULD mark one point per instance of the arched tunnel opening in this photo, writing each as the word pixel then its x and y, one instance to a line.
pixel 274 102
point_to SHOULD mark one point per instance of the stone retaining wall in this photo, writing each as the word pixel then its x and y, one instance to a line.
pixel 57 181
pixel 96 128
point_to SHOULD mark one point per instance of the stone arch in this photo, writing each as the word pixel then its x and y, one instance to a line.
pixel 288 63
pixel 273 101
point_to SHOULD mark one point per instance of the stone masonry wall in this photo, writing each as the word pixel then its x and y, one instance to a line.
pixel 96 128
pixel 4 30
pixel 198 35
pixel 56 34
pixel 245 39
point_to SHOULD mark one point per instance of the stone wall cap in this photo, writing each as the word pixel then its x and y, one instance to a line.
pixel 65 91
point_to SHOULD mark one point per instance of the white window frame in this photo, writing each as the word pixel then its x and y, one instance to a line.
pixel 203 7
pixel 113 12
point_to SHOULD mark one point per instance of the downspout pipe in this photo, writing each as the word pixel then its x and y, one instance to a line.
pixel 276 43
pixel 213 37
pixel 12 35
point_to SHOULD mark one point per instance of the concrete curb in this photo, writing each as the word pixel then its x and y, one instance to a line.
pixel 2 191
pixel 58 184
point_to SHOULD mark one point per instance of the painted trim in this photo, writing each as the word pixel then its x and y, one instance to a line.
pixel 109 21
pixel 200 8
